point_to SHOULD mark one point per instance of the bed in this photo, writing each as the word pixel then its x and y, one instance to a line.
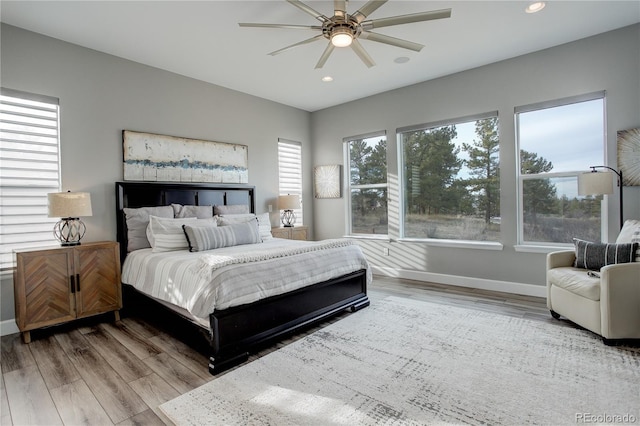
pixel 236 328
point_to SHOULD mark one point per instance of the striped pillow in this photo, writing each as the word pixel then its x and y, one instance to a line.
pixel 596 255
pixel 201 238
pixel 635 238
pixel 167 235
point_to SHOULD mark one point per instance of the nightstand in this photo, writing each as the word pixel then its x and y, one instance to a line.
pixel 59 284
pixel 290 233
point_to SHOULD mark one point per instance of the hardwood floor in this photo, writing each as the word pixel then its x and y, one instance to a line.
pixel 102 373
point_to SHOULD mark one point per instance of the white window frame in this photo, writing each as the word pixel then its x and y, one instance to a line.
pixel 349 187
pixel 473 244
pixel 29 170
pixel 522 244
pixel 290 173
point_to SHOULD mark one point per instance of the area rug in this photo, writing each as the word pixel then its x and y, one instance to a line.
pixel 407 362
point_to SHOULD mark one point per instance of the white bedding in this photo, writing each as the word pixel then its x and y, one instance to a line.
pixel 173 276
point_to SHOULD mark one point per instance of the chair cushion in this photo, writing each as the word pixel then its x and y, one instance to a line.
pixel 576 281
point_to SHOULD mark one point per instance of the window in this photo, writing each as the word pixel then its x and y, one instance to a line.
pixel 451 179
pixel 290 172
pixel 29 170
pixel 367 184
pixel 557 141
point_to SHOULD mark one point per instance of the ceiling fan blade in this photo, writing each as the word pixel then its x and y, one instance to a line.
pixel 340 8
pixel 406 19
pixel 362 54
pixel 319 16
pixel 325 55
pixel 285 26
pixel 381 38
pixel 366 10
pixel 300 43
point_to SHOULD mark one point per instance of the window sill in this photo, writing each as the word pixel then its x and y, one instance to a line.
pixel 369 237
pixel 476 245
pixel 540 249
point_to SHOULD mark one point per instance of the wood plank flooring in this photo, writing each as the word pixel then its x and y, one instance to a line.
pixel 96 372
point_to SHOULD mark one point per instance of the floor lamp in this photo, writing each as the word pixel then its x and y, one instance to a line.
pixel 600 183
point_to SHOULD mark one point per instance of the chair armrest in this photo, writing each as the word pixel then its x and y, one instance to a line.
pixel 558 259
pixel 620 300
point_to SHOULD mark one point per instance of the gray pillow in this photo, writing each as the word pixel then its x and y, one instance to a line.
pixel 231 209
pixel 596 255
pixel 201 212
pixel 203 238
pixel 137 222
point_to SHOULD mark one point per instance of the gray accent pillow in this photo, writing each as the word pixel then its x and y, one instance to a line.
pixel 635 238
pixel 201 212
pixel 203 238
pixel 231 209
pixel 596 255
pixel 137 222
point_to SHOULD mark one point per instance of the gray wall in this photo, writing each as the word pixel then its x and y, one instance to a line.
pixel 609 61
pixel 100 95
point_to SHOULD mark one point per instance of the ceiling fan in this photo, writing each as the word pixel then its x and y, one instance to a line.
pixel 343 29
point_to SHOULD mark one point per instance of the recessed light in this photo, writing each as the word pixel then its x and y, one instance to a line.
pixel 401 60
pixel 536 6
pixel 327 78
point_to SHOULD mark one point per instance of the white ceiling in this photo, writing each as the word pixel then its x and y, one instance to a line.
pixel 202 40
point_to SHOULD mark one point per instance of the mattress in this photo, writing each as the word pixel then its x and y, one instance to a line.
pixel 178 277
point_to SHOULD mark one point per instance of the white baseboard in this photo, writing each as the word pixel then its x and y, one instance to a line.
pixel 483 284
pixel 8 327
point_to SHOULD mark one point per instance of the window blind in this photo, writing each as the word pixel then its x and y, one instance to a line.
pixel 29 170
pixel 290 171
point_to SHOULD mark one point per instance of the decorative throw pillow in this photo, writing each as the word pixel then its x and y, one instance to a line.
pixel 596 255
pixel 264 222
pixel 201 212
pixel 628 229
pixel 635 238
pixel 201 238
pixel 167 235
pixel 231 209
pixel 630 233
pixel 137 222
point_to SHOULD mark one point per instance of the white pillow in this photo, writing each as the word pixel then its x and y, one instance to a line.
pixel 626 233
pixel 167 234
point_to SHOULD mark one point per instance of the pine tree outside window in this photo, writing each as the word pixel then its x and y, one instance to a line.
pixel 450 174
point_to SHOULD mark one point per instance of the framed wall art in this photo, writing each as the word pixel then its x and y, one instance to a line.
pixel 327 181
pixel 152 157
pixel 629 156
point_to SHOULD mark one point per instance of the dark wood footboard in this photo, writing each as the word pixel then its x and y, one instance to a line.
pixel 240 330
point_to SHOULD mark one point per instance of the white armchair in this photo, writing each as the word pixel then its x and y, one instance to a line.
pixel 608 305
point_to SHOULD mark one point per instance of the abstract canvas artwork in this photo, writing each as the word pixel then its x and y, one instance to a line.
pixel 151 157
pixel 629 156
pixel 327 181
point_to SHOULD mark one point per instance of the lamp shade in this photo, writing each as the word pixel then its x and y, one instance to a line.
pixel 69 204
pixel 289 202
pixel 596 183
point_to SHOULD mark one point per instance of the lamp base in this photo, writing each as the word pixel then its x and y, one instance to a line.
pixel 69 231
pixel 288 218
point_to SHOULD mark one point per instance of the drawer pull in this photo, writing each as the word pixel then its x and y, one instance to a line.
pixel 72 284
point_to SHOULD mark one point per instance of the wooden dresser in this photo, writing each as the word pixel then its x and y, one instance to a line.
pixel 59 284
pixel 290 233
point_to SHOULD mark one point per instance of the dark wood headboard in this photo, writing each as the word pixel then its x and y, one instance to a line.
pixel 150 194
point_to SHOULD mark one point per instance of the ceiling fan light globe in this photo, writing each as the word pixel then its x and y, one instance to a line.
pixel 341 39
